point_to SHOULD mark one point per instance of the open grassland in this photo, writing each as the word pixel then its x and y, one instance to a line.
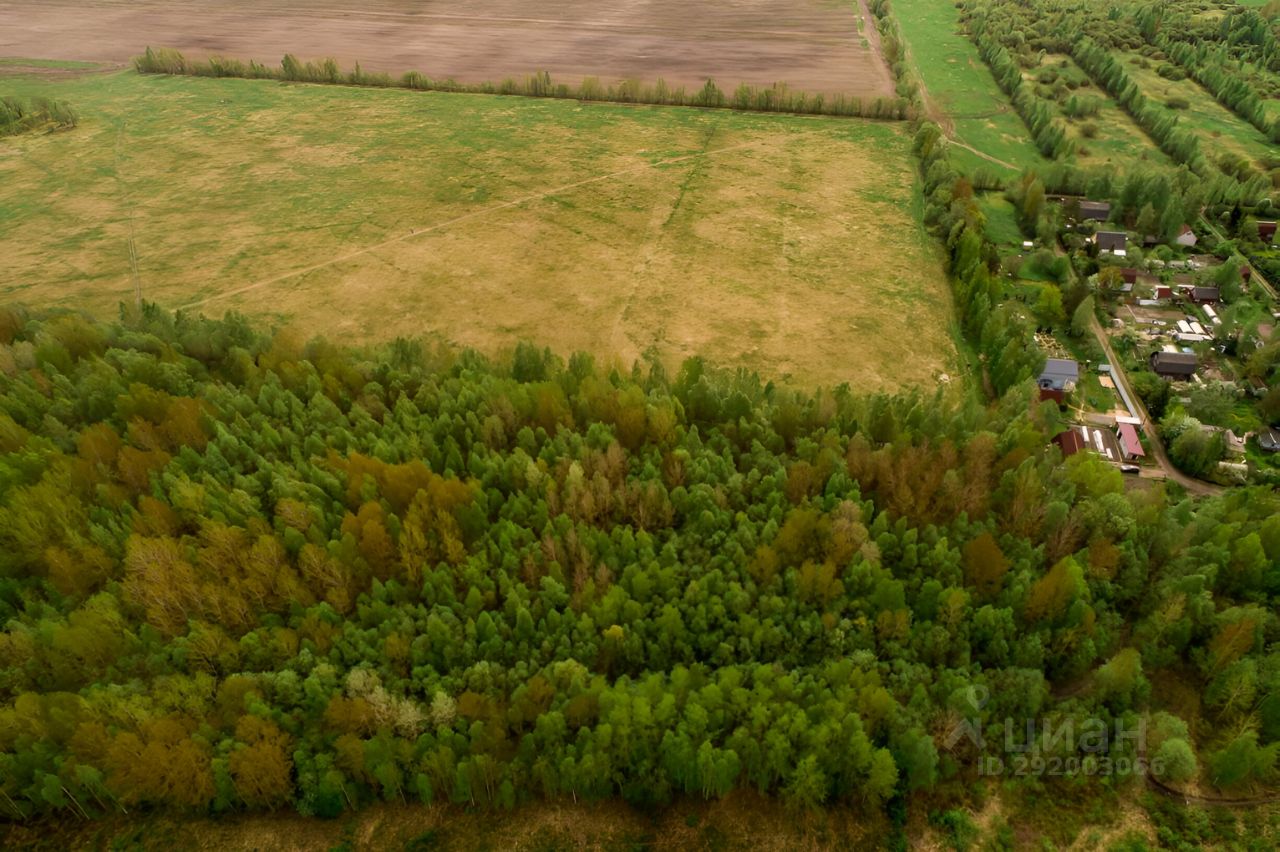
pixel 811 45
pixel 785 244
pixel 961 89
pixel 1220 130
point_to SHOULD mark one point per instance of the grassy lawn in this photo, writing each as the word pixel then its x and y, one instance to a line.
pixel 791 245
pixel 1219 129
pixel 959 82
pixel 1002 224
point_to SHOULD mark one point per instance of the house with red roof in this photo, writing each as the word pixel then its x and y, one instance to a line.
pixel 1130 445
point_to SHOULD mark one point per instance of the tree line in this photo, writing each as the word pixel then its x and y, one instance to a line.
pixel 775 98
pixel 1049 133
pixel 998 334
pixel 1209 67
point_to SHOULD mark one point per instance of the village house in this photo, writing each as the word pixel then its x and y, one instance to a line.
pixel 1186 237
pixel 1206 295
pixel 1174 365
pixel 1130 444
pixel 1112 241
pixel 1267 232
pixel 1069 442
pixel 1058 378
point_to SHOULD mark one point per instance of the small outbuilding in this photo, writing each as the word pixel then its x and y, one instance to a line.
pixel 1174 365
pixel 1269 439
pixel 1095 211
pixel 1069 442
pixel 1186 237
pixel 1267 232
pixel 1093 438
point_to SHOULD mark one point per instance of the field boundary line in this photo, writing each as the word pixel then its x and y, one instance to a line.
pixel 127 195
pixel 872 35
pixel 475 214
pixel 649 250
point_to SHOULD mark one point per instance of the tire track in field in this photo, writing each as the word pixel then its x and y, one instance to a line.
pixel 475 214
pixel 657 230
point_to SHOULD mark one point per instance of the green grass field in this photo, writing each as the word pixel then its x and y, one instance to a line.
pixel 1002 223
pixel 791 245
pixel 960 84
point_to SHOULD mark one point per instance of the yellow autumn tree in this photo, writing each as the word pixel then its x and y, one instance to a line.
pixel 261 769
pixel 1053 593
pixel 985 564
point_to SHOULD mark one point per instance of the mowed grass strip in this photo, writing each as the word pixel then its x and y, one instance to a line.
pixel 784 244
pixel 961 85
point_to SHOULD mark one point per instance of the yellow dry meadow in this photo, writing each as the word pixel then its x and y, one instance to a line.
pixel 784 244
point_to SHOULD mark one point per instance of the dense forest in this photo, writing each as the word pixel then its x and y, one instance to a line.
pixel 242 570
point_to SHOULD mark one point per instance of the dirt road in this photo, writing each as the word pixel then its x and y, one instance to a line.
pixel 1193 485
pixel 810 45
pixel 939 116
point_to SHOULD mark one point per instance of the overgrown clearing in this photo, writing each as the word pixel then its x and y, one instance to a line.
pixel 959 84
pixel 1108 137
pixel 779 243
pixel 813 45
pixel 1220 131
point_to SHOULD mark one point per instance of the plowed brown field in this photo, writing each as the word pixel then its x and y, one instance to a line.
pixel 811 45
